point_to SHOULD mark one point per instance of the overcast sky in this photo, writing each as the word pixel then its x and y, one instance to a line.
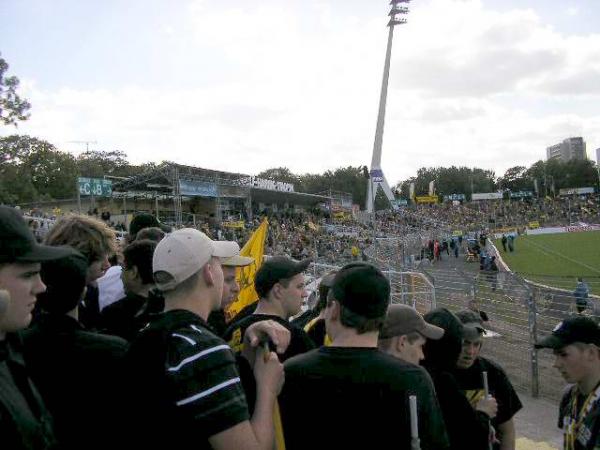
pixel 245 85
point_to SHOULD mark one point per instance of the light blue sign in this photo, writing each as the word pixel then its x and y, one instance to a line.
pixel 197 188
pixel 400 202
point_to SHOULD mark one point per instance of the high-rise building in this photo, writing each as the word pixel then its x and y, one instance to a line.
pixel 571 148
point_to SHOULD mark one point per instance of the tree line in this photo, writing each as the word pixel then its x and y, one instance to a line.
pixel 33 170
pixel 543 177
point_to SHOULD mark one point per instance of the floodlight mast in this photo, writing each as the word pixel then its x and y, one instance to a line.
pixel 377 178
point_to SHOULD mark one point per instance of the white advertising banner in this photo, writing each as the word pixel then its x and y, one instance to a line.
pixel 487 196
pixel 570 229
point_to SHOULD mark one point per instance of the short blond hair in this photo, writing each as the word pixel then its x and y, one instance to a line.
pixel 91 237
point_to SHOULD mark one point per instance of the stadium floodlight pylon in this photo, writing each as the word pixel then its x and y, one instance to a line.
pixel 377 178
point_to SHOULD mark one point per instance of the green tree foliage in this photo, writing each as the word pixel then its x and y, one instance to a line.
pixel 516 179
pixel 96 164
pixel 554 174
pixel 450 180
pixel 344 179
pixel 13 108
pixel 33 169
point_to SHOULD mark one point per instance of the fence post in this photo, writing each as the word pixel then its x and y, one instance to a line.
pixel 532 310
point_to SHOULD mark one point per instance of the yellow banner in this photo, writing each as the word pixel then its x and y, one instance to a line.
pixel 427 199
pixel 237 224
pixel 533 225
pixel 255 248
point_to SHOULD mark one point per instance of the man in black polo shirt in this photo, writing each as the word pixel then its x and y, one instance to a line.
pixel 358 396
pixel 469 375
pixel 280 284
pixel 24 421
pixel 576 345
pixel 184 381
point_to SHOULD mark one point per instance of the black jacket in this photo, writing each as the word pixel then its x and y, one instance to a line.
pixel 25 424
pixel 78 375
pixel 467 428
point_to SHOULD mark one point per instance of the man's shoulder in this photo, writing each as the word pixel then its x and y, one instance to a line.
pixel 302 361
pixel 491 366
pixel 178 329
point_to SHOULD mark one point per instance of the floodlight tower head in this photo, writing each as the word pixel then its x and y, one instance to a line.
pixel 397 9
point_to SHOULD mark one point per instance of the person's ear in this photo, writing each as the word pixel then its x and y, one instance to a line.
pixel 208 275
pixel 135 272
pixel 399 342
pixel 335 310
pixel 276 290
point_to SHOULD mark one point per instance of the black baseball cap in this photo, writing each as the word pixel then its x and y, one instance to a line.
pixel 276 269
pixel 571 330
pixel 363 289
pixel 17 243
pixel 145 220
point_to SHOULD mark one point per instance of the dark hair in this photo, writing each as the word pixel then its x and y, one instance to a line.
pixel 153 233
pixel 65 280
pixel 139 254
pixel 322 303
pixel 360 323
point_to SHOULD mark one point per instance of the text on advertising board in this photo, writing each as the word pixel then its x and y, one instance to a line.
pixel 97 187
pixel 270 185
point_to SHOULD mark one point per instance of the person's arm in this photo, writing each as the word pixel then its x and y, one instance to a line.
pixel 257 433
pixel 506 435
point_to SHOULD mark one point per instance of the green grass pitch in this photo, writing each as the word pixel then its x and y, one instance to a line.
pixel 556 259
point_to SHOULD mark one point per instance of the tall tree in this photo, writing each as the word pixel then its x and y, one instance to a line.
pixel 13 108
pixel 516 179
pixel 97 163
pixel 33 169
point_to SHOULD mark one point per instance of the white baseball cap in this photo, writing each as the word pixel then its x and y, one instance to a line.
pixel 184 252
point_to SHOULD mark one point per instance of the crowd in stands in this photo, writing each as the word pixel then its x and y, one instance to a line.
pixel 152 361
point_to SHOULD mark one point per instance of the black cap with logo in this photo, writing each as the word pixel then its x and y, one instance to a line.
pixel 571 330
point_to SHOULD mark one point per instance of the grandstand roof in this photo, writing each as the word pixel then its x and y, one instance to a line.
pixel 162 180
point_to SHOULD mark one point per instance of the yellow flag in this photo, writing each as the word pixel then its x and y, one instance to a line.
pixel 255 248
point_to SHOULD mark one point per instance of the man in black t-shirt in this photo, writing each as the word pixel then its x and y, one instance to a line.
pixel 576 345
pixel 184 383
pixel 358 396
pixel 469 375
pixel 280 284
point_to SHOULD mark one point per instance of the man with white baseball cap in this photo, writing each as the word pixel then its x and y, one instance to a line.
pixel 185 380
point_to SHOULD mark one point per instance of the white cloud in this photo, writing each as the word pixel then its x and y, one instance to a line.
pixel 300 86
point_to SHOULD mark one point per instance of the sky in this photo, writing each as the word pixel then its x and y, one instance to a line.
pixel 244 86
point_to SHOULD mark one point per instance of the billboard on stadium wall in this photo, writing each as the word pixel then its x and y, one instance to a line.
pixel 197 188
pixel 455 197
pixel 576 191
pixel 427 199
pixel 487 196
pixel 570 229
pixel 521 194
